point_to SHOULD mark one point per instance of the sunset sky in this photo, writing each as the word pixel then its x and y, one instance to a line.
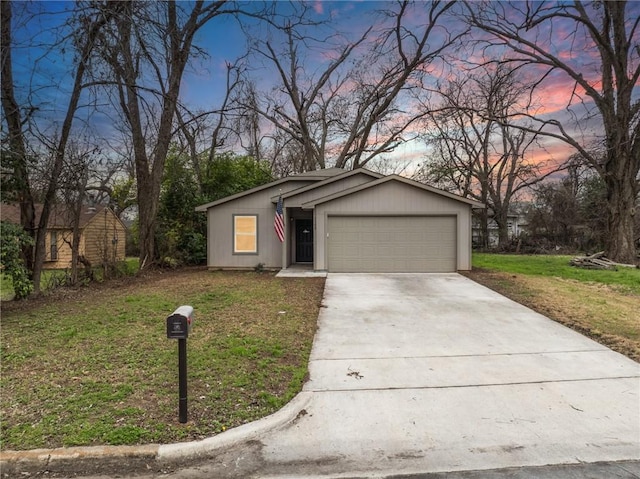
pixel 224 41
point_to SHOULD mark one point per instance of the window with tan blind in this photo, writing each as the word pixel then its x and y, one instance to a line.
pixel 245 234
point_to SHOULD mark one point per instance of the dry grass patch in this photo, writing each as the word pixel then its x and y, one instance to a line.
pixel 606 313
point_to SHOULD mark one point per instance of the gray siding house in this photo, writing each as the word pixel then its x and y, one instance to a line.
pixel 342 221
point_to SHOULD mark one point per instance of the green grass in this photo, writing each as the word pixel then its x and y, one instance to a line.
pixel 627 279
pixel 97 368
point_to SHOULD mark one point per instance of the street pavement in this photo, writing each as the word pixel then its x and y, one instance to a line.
pixel 433 376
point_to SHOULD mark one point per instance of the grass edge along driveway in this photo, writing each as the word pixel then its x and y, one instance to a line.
pixel 600 304
pixel 94 366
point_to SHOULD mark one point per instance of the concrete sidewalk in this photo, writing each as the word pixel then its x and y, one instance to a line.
pixel 431 375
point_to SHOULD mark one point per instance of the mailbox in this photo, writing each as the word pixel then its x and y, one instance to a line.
pixel 180 322
pixel 178 327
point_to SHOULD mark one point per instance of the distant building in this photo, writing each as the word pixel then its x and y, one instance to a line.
pixel 102 234
pixel 517 224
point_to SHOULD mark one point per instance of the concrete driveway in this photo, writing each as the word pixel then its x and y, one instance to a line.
pixel 432 375
pixel 416 373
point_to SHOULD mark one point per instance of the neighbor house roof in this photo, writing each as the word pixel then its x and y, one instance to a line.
pixel 317 175
pixel 60 216
pixel 385 179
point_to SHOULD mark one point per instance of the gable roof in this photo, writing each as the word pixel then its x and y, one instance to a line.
pixel 339 177
pixel 385 179
pixel 317 175
pixel 59 218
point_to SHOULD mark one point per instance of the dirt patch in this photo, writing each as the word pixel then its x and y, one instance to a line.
pixel 601 312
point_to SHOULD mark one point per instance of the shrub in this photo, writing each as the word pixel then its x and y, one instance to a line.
pixel 12 239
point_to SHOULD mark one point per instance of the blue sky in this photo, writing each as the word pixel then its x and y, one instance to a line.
pixel 45 73
pixel 225 41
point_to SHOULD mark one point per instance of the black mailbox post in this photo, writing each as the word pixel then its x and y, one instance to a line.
pixel 178 327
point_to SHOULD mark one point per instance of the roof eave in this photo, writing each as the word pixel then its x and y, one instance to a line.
pixel 385 179
pixel 226 199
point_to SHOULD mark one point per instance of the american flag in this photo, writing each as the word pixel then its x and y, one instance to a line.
pixel 278 222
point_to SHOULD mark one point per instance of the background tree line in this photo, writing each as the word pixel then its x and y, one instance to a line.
pixel 464 78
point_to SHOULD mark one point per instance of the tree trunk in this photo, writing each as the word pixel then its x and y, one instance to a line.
pixel 75 239
pixel 621 209
pixel 61 147
pixel 147 214
pixel 16 136
pixel 150 166
pixel 501 218
pixel 483 216
pixel 620 173
pixel 59 153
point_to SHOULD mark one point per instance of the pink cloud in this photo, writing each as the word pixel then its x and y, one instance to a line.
pixel 318 7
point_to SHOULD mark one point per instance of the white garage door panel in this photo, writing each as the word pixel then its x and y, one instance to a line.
pixel 389 244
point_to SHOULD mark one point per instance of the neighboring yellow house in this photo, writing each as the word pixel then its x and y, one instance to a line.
pixel 102 234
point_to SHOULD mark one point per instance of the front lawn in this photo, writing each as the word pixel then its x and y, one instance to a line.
pixel 94 366
pixel 558 266
pixel 601 304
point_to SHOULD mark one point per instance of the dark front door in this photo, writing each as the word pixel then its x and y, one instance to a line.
pixel 304 241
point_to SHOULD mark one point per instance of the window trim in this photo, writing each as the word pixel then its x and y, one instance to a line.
pixel 234 235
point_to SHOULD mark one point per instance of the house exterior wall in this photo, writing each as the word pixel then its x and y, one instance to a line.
pixel 394 198
pixel 220 253
pixel 96 242
pixel 103 238
pixel 63 243
pixel 328 189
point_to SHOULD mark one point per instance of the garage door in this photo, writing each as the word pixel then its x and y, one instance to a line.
pixel 388 244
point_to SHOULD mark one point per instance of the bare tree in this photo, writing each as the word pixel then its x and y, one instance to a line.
pixel 234 73
pixel 475 151
pixel 363 101
pixel 16 151
pixel 147 50
pixel 203 134
pixel 248 127
pixel 85 181
pixel 598 52
pixel 84 38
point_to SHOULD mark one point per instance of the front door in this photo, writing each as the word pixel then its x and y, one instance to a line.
pixel 304 241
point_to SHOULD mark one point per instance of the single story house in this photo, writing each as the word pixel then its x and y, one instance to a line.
pixel 102 234
pixel 342 221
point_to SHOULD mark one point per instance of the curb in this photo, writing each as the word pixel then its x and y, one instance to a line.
pixel 46 456
pixel 232 437
pixel 41 459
